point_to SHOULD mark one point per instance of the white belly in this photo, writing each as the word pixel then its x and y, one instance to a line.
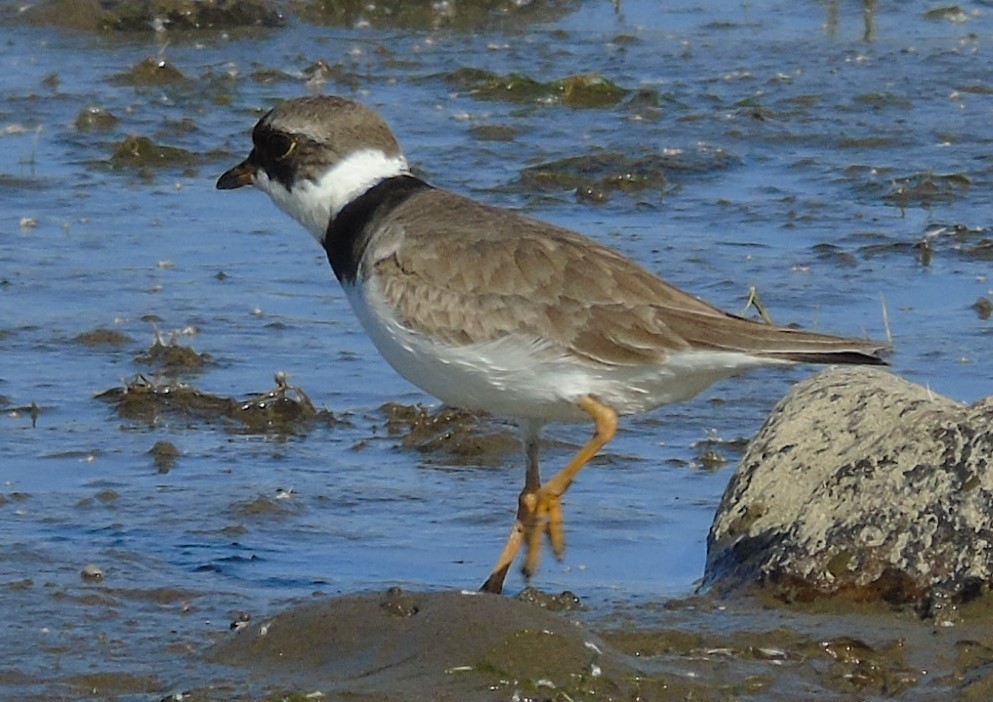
pixel 528 378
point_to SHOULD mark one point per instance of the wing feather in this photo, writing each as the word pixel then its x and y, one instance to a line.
pixel 502 273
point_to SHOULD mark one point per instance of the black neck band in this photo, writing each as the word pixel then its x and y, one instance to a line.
pixel 348 234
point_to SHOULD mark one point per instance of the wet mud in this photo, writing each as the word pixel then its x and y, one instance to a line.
pixel 182 520
pixel 401 645
pixel 284 410
pixel 451 434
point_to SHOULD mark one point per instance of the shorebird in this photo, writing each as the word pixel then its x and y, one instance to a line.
pixel 488 309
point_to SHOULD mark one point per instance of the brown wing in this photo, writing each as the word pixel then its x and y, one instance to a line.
pixel 500 273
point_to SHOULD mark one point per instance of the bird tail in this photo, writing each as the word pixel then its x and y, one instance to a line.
pixel 784 343
pixel 799 346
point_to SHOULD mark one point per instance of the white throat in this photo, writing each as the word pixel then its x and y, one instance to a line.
pixel 315 203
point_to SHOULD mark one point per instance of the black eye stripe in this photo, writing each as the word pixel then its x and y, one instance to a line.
pixel 279 146
pixel 273 145
pixel 272 151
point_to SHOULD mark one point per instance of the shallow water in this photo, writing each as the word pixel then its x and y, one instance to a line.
pixel 839 164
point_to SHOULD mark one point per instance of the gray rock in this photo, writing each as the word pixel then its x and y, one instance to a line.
pixel 862 485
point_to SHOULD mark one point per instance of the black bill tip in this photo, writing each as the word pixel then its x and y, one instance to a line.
pixel 241 175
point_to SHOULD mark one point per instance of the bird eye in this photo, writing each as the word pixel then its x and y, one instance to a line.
pixel 280 146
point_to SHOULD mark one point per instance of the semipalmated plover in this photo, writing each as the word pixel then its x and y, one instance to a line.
pixel 488 309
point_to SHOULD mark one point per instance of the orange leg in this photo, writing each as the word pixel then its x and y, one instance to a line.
pixel 539 508
pixel 526 504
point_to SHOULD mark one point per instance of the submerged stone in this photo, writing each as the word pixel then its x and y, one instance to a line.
pixel 164 454
pixel 465 15
pixel 925 189
pixel 103 337
pixel 137 151
pixel 449 434
pixel 604 171
pixel 151 70
pixel 983 307
pixel 154 15
pixel 589 90
pixel 579 91
pixel 91 119
pixel 595 175
pixel 172 358
pixel 513 87
pixel 282 411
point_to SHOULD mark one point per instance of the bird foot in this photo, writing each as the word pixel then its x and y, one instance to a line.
pixel 539 514
pixel 544 520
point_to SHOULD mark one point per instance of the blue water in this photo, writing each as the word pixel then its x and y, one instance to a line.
pixel 821 124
